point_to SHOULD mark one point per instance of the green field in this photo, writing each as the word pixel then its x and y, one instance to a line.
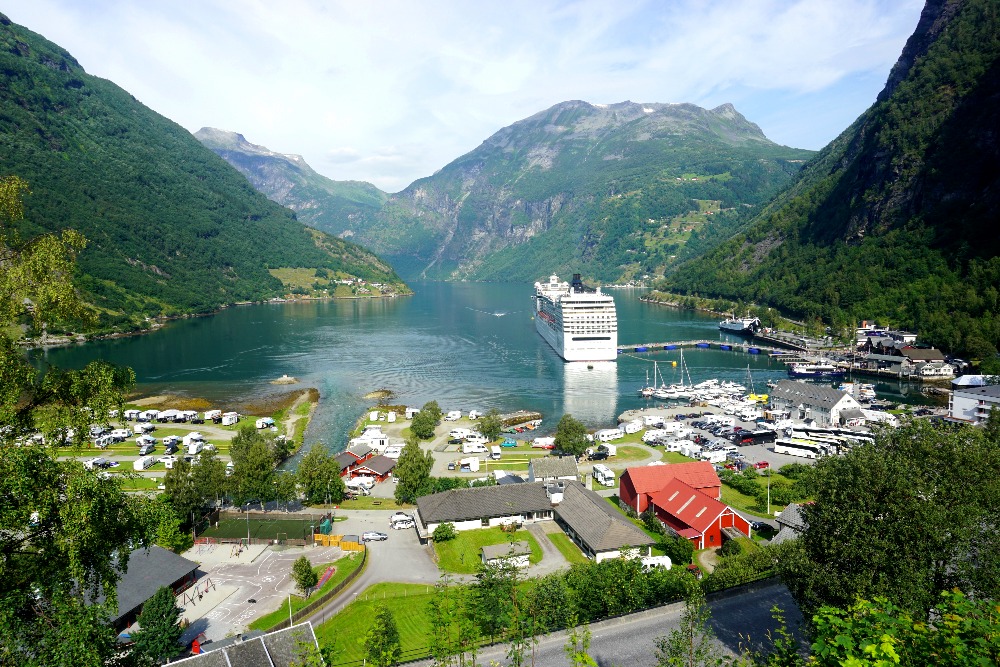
pixel 268 529
pixel 343 635
pixel 567 548
pixel 462 554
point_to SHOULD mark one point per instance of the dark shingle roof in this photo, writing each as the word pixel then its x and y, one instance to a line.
pixel 345 460
pixel 554 467
pixel 814 394
pixel 482 502
pixel 275 649
pixel 598 524
pixel 148 570
pixel 379 465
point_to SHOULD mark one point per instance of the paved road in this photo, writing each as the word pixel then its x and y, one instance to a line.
pixel 739 621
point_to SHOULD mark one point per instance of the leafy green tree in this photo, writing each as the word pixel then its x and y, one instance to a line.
pixel 65 533
pixel 253 474
pixel 680 550
pixel 577 647
pixel 905 518
pixel 493 593
pixel 571 436
pixel 425 421
pixel 960 632
pixel 304 575
pixel 170 536
pixel 413 472
pixel 209 477
pixel 551 604
pixel 490 425
pixel 181 491
pixel 319 477
pixel 159 630
pixel 382 647
pixel 444 532
pixel 692 644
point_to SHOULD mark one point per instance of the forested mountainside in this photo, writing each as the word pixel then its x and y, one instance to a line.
pixel 172 228
pixel 897 218
pixel 611 191
pixel 331 206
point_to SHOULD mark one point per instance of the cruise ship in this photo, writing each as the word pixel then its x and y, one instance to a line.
pixel 741 325
pixel 580 323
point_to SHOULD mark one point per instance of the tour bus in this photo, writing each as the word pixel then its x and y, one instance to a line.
pixel 809 450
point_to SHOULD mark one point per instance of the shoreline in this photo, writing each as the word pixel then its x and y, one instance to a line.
pixel 157 323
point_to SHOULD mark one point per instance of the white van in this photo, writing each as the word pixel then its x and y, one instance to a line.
pixel 474 448
pixel 495 453
pixel 476 439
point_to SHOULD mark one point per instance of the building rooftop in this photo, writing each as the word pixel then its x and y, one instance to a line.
pixel 697 474
pixel 986 391
pixel 688 505
pixel 813 394
pixel 149 570
pixel 507 549
pixel 481 502
pixel 554 467
pixel 275 649
pixel 598 524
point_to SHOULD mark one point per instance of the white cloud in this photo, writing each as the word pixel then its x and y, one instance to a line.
pixel 391 91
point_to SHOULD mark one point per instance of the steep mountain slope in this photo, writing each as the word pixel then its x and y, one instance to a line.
pixel 896 218
pixel 320 202
pixel 602 189
pixel 172 227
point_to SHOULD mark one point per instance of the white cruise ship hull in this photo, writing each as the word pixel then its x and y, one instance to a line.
pixel 575 350
pixel 579 323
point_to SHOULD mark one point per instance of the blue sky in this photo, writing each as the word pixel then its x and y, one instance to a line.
pixel 388 92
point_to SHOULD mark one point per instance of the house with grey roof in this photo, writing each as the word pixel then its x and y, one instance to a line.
pixel 596 527
pixel 483 507
pixel 517 553
pixel 282 648
pixel 549 468
pixel 791 524
pixel 149 570
pixel 805 401
pixel 973 404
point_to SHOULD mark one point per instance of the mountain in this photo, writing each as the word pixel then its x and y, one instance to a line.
pixel 172 228
pixel 896 218
pixel 332 206
pixel 611 191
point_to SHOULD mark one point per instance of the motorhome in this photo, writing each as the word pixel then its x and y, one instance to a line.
pixel 470 464
pixel 612 450
pixel 713 456
pixel 148 448
pixel 543 443
pixel 97 462
pixel 195 447
pixel 653 420
pixel 144 462
pixel 362 485
pixel 603 475
pixel 633 426
pixel 393 452
pixel 474 414
pixel 476 439
pixel 401 521
pixel 121 434
pixel 453 416
pixel 265 422
pixel 495 452
pixel 607 434
pixel 459 433
pixel 656 562
pixel 474 448
pixel 230 418
pixel 131 414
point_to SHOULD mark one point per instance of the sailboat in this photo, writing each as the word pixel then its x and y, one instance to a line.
pixel 679 389
pixel 754 397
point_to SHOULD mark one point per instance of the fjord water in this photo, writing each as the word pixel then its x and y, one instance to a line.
pixel 466 345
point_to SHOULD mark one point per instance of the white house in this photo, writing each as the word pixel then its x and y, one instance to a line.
pixel 973 404
pixel 817 402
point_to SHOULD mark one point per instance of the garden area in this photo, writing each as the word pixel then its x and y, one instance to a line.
pixel 461 554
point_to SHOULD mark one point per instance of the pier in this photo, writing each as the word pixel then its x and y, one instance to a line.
pixel 782 350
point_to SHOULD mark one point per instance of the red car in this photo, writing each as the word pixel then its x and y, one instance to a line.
pixel 761 464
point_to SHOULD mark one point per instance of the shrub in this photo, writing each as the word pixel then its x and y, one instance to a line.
pixel 444 532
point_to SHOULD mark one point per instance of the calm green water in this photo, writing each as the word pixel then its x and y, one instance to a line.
pixel 468 346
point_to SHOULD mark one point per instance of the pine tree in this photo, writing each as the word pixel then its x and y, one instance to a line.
pixel 159 631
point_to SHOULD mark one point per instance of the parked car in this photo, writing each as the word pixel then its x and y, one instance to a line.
pixel 598 455
pixel 761 464
pixel 451 465
pixel 373 536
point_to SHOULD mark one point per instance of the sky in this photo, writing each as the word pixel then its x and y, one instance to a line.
pixel 389 92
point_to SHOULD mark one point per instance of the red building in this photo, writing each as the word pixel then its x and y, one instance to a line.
pixel 636 484
pixel 694 515
pixel 378 467
pixel 353 457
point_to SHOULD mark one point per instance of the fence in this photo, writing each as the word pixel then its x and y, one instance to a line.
pixel 321 601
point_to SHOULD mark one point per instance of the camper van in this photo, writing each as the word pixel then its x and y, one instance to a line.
pixel 362 485
pixel 230 418
pixel 195 447
pixel 474 448
pixel 453 416
pixel 401 521
pixel 495 453
pixel 603 475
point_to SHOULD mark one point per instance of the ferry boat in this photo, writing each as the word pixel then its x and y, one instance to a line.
pixel 580 323
pixel 747 326
pixel 817 370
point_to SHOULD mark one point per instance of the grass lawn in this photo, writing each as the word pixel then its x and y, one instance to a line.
pixel 461 555
pixel 676 457
pixel 344 633
pixel 368 503
pixel 140 483
pixel 567 548
pixel 344 566
pixel 627 453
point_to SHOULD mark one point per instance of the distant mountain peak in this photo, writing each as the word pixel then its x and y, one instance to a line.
pixel 217 139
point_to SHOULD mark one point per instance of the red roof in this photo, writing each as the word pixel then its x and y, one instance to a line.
pixel 688 505
pixel 697 474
